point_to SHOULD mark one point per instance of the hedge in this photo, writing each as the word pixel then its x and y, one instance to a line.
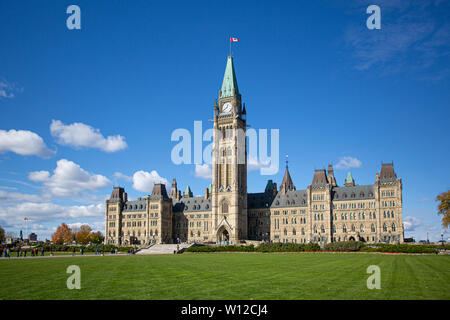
pixel 404 248
pixel 249 248
pixel 344 246
pixel 66 248
pixel 265 247
pixel 286 247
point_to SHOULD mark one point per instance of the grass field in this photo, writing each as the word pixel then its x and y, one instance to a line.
pixel 229 276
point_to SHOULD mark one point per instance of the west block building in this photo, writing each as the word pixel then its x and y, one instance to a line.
pixel 323 212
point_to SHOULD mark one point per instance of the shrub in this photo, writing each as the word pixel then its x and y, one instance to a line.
pixel 285 247
pixel 344 246
pixel 249 248
pixel 405 248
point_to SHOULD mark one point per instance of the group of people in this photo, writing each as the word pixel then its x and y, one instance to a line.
pixel 6 252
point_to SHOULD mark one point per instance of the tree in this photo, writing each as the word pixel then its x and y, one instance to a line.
pixel 83 236
pixel 2 234
pixel 62 235
pixel 443 207
pixel 97 237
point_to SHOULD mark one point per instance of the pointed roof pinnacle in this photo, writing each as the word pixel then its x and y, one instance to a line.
pixel 349 181
pixel 349 177
pixel 287 183
pixel 187 192
pixel 229 80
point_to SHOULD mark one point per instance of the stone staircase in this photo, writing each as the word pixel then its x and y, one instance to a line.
pixel 163 248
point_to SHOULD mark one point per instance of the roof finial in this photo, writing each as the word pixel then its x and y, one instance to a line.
pixel 287 161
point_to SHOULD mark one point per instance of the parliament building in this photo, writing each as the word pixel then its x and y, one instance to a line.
pixel 323 212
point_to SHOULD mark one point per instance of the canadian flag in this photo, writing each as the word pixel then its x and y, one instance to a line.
pixel 234 39
pixel 25 219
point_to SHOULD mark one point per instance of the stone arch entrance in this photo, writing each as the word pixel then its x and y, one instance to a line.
pixel 223 235
pixel 352 238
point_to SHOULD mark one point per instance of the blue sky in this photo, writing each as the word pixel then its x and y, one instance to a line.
pixel 82 110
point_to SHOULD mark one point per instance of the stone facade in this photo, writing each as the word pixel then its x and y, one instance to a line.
pixel 324 212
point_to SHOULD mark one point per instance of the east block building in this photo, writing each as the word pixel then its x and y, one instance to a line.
pixel 324 212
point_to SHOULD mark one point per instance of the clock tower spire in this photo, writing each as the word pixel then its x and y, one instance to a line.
pixel 229 185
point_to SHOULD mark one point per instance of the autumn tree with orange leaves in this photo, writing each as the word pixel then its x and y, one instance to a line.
pixel 443 207
pixel 83 236
pixel 62 235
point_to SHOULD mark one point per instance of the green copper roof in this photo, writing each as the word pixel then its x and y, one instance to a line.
pixel 349 178
pixel 187 192
pixel 210 188
pixel 269 186
pixel 229 80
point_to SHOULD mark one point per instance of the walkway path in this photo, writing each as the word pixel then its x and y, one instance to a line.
pixel 163 248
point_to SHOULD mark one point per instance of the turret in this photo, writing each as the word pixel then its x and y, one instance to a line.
pixel 349 181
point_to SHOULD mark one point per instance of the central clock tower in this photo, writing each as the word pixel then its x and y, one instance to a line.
pixel 229 166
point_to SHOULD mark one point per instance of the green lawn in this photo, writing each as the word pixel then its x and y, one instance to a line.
pixel 229 276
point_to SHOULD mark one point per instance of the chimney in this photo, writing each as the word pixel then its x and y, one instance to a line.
pixel 206 193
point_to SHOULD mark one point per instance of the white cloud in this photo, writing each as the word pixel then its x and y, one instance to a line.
pixel 48 212
pixel 203 171
pixel 422 200
pixel 120 175
pixel 69 179
pixel 23 142
pixel 411 223
pixel 44 217
pixel 144 181
pixel 254 164
pixel 39 176
pixel 81 135
pixel 7 89
pixel 7 197
pixel 348 162
pixel 95 226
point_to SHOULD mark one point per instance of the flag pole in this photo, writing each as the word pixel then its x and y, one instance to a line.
pixel 230 47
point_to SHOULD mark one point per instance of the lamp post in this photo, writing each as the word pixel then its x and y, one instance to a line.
pixel 442 240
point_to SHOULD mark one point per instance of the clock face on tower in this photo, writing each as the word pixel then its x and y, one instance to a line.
pixel 226 107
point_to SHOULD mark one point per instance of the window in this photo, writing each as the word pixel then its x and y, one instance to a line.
pixel 393 227
pixel 224 207
pixel 385 227
pixel 315 229
pixel 372 228
pixel 322 229
pixel 344 229
pixel 361 228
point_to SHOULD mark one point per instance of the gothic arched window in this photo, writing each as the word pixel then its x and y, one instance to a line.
pixel 224 207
